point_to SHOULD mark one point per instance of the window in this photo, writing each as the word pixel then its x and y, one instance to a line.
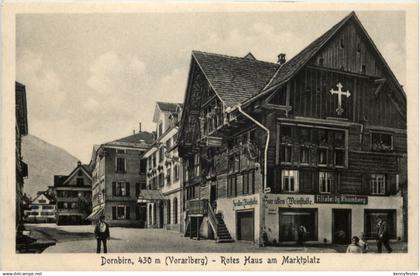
pixel 80 182
pixel 377 184
pixel 382 142
pixel 143 165
pixel 120 165
pixel 176 172
pixel 363 69
pixel 42 201
pixel 121 188
pixel 121 212
pixel 285 134
pixel 161 154
pixel 342 43
pixel 286 154
pixel 339 158
pixel 168 176
pixel 34 207
pixel 322 156
pixel 168 144
pixel 304 155
pixel 232 188
pixel 321 61
pixel 248 182
pixel 289 181
pixel 161 179
pixel 291 219
pixel 175 210
pixel 197 164
pixel 154 157
pixel 121 151
pixel 326 181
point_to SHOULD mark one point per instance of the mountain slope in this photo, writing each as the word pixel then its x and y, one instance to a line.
pixel 44 161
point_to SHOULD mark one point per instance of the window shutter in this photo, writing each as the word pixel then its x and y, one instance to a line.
pixel 114 188
pixel 127 212
pixel 390 184
pixel 365 184
pixel 315 178
pixel 114 212
pixel 127 186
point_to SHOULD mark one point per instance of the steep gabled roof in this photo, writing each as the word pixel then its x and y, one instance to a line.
pixel 234 79
pixel 167 107
pixel 290 68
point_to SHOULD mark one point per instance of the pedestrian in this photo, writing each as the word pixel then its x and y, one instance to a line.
pixel 354 247
pixel 382 233
pixel 301 234
pixel 363 243
pixel 101 234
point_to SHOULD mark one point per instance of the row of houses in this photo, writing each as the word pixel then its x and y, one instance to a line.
pixel 259 149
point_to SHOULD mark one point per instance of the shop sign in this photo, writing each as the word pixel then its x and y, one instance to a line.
pixel 290 201
pixel 342 199
pixel 245 202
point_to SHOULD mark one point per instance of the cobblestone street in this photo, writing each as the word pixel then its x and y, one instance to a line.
pixel 80 239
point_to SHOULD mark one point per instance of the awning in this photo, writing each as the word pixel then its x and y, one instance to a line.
pixel 149 195
pixel 96 214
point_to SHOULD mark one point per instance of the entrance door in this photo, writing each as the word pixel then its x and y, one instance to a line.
pixel 213 194
pixel 245 225
pixel 341 226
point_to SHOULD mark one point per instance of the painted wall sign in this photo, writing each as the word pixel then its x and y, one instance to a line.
pixel 342 199
pixel 246 202
pixel 290 201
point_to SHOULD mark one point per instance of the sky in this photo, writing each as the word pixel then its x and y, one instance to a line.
pixel 91 78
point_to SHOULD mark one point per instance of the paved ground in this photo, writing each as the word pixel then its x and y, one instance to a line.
pixel 80 239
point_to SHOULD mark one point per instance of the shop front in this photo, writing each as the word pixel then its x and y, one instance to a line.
pixel 329 218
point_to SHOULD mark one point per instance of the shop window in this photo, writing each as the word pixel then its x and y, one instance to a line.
pixel 289 181
pixel 326 181
pixel 382 142
pixel 304 155
pixel 371 221
pixel 322 156
pixel 377 184
pixel 291 219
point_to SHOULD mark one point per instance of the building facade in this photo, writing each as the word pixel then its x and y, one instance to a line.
pixel 118 175
pixel 73 194
pixel 163 171
pixel 42 209
pixel 21 128
pixel 318 141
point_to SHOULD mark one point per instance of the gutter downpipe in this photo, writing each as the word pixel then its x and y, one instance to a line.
pixel 262 205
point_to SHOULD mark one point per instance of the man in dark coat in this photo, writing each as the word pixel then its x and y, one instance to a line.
pixel 382 235
pixel 101 234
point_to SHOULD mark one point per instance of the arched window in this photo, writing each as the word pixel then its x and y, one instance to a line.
pixel 175 210
pixel 169 212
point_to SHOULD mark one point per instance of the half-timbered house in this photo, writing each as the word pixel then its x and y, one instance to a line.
pixel 318 141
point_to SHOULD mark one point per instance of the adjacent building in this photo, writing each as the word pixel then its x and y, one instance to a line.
pixel 118 175
pixel 73 194
pixel 21 128
pixel 42 209
pixel 319 141
pixel 162 198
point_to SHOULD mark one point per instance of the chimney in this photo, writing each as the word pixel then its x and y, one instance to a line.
pixel 139 126
pixel 79 163
pixel 281 58
pixel 134 131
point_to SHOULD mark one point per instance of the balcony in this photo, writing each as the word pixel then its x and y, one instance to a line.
pixel 197 207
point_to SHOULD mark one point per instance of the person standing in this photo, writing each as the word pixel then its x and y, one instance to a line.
pixel 354 247
pixel 101 234
pixel 382 232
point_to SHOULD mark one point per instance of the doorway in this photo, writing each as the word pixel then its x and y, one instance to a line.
pixel 341 226
pixel 245 225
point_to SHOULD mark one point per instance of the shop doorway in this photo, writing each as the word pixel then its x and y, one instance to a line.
pixel 245 225
pixel 341 226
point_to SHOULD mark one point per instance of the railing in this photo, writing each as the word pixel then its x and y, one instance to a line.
pixel 212 219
